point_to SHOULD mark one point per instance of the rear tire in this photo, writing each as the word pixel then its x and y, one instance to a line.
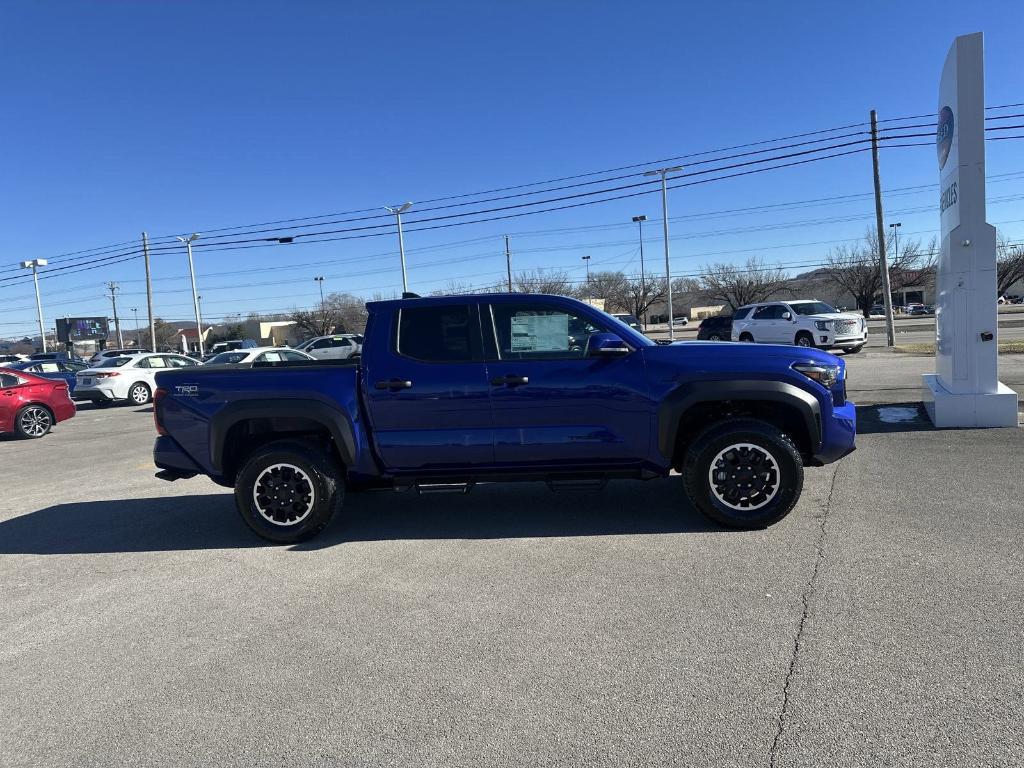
pixel 714 337
pixel 743 473
pixel 288 491
pixel 33 421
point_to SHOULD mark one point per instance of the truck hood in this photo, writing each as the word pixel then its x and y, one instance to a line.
pixel 834 316
pixel 740 356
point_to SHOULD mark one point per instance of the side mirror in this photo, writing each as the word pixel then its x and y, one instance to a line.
pixel 787 316
pixel 607 345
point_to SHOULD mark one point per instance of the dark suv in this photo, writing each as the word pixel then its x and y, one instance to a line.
pixel 717 328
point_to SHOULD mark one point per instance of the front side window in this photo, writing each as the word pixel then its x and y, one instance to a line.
pixel 437 334
pixel 771 312
pixel 293 356
pixel 539 332
pixel 180 362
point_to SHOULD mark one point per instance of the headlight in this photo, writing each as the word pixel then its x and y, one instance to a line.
pixel 823 325
pixel 826 375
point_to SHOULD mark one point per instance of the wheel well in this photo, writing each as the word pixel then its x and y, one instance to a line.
pixel 42 405
pixel 247 435
pixel 746 335
pixel 804 332
pixel 702 415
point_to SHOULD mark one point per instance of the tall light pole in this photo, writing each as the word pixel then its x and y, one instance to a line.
pixel 643 290
pixel 895 227
pixel 34 265
pixel 320 280
pixel 664 172
pixel 195 297
pixel 398 210
pixel 138 337
pixel 112 286
pixel 586 260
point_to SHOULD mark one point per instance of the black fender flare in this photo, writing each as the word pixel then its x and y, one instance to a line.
pixel 336 422
pixel 685 396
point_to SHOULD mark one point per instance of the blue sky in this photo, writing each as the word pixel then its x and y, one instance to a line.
pixel 178 117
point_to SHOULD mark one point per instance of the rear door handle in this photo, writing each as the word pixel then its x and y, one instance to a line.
pixel 509 380
pixel 393 384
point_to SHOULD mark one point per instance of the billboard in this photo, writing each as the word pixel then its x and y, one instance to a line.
pixel 72 329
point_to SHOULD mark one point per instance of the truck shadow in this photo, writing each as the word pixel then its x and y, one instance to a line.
pixel 210 521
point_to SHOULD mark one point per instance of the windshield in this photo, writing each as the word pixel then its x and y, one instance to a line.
pixel 813 308
pixel 114 362
pixel 306 343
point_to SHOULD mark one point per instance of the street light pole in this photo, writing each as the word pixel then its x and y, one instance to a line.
pixel 34 265
pixel 664 172
pixel 586 260
pixel 643 289
pixel 895 227
pixel 398 210
pixel 138 337
pixel 320 280
pixel 195 297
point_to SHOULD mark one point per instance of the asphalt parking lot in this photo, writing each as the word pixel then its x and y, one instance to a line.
pixel 879 624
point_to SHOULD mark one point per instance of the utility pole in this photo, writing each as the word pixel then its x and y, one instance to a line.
pixel 34 265
pixel 149 294
pixel 508 264
pixel 664 172
pixel 397 211
pixel 883 262
pixel 643 290
pixel 112 287
pixel 195 297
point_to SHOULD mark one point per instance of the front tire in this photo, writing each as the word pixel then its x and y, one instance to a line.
pixel 33 421
pixel 288 491
pixel 743 473
pixel 139 394
pixel 854 350
pixel 746 337
pixel 804 339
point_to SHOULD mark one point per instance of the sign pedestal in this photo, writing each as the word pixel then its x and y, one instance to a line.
pixel 965 390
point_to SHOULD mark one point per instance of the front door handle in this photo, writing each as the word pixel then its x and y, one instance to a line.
pixel 393 384
pixel 509 381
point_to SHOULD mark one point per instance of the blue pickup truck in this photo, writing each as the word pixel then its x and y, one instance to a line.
pixel 451 391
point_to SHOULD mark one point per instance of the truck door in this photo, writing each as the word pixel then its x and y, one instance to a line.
pixel 555 404
pixel 426 390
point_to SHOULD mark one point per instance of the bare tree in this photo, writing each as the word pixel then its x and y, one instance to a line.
pixel 1009 264
pixel 856 269
pixel 555 282
pixel 339 313
pixel 736 286
pixel 641 296
pixel 613 287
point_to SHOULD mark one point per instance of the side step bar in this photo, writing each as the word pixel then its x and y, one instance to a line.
pixel 581 484
pixel 424 489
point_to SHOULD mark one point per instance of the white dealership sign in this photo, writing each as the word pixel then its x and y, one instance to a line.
pixel 965 390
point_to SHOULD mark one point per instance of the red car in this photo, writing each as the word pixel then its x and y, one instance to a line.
pixel 30 405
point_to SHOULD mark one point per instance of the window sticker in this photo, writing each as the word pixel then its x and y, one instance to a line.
pixel 540 333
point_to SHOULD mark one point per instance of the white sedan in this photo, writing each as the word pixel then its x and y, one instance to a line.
pixel 244 358
pixel 126 378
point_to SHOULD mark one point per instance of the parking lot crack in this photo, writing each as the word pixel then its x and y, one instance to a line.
pixel 798 640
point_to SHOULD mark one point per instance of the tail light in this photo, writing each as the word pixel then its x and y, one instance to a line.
pixel 106 374
pixel 159 395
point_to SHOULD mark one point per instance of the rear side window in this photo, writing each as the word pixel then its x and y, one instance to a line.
pixel 8 380
pixel 771 312
pixel 437 334
pixel 742 313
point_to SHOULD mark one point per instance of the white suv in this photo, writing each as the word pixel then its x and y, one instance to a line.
pixel 340 346
pixel 804 323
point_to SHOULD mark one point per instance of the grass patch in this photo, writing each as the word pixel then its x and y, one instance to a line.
pixel 1005 348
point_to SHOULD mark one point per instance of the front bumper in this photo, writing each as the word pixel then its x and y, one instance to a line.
pixel 838 434
pixel 828 340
